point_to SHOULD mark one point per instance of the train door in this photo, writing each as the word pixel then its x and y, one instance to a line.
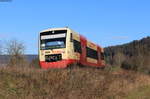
pixel 83 48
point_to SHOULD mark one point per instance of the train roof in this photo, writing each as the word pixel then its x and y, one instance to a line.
pixel 67 28
pixel 86 38
pixel 50 29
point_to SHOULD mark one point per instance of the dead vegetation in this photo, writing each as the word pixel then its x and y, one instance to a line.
pixel 77 83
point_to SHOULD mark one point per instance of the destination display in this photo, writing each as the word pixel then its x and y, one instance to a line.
pixel 53 36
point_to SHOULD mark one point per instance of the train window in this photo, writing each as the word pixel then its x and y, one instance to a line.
pixel 91 53
pixel 77 46
pixel 102 56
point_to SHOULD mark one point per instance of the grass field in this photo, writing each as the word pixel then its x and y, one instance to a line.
pixel 78 83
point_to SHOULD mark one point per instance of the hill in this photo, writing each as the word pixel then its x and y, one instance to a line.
pixel 5 58
pixel 134 55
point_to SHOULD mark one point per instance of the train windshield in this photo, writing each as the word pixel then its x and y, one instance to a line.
pixel 53 40
pixel 53 43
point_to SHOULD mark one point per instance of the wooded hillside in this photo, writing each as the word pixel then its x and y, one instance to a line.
pixel 134 55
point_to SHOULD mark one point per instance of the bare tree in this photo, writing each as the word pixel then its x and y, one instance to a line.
pixel 15 50
pixel 119 58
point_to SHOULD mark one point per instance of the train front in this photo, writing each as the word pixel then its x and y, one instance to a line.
pixel 52 48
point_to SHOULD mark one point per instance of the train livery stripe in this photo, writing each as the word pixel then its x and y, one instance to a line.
pixel 78 50
pixel 58 64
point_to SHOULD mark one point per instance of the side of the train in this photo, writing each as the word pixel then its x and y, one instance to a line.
pixel 77 50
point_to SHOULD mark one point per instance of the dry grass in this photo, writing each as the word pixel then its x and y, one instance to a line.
pixel 79 83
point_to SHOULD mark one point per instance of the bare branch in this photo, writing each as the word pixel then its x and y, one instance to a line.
pixel 15 50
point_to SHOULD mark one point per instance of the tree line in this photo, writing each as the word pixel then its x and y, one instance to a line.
pixel 134 55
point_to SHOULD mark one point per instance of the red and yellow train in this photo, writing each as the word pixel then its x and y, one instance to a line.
pixel 61 47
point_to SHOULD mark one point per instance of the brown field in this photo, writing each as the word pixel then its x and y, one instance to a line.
pixel 78 83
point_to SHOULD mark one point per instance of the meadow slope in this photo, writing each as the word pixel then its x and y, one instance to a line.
pixel 78 83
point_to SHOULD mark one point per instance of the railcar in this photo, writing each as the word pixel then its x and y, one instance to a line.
pixel 61 47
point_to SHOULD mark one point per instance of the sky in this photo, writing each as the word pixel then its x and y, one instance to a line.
pixel 105 22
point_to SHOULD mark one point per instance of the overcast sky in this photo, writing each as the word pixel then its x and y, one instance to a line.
pixel 105 22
